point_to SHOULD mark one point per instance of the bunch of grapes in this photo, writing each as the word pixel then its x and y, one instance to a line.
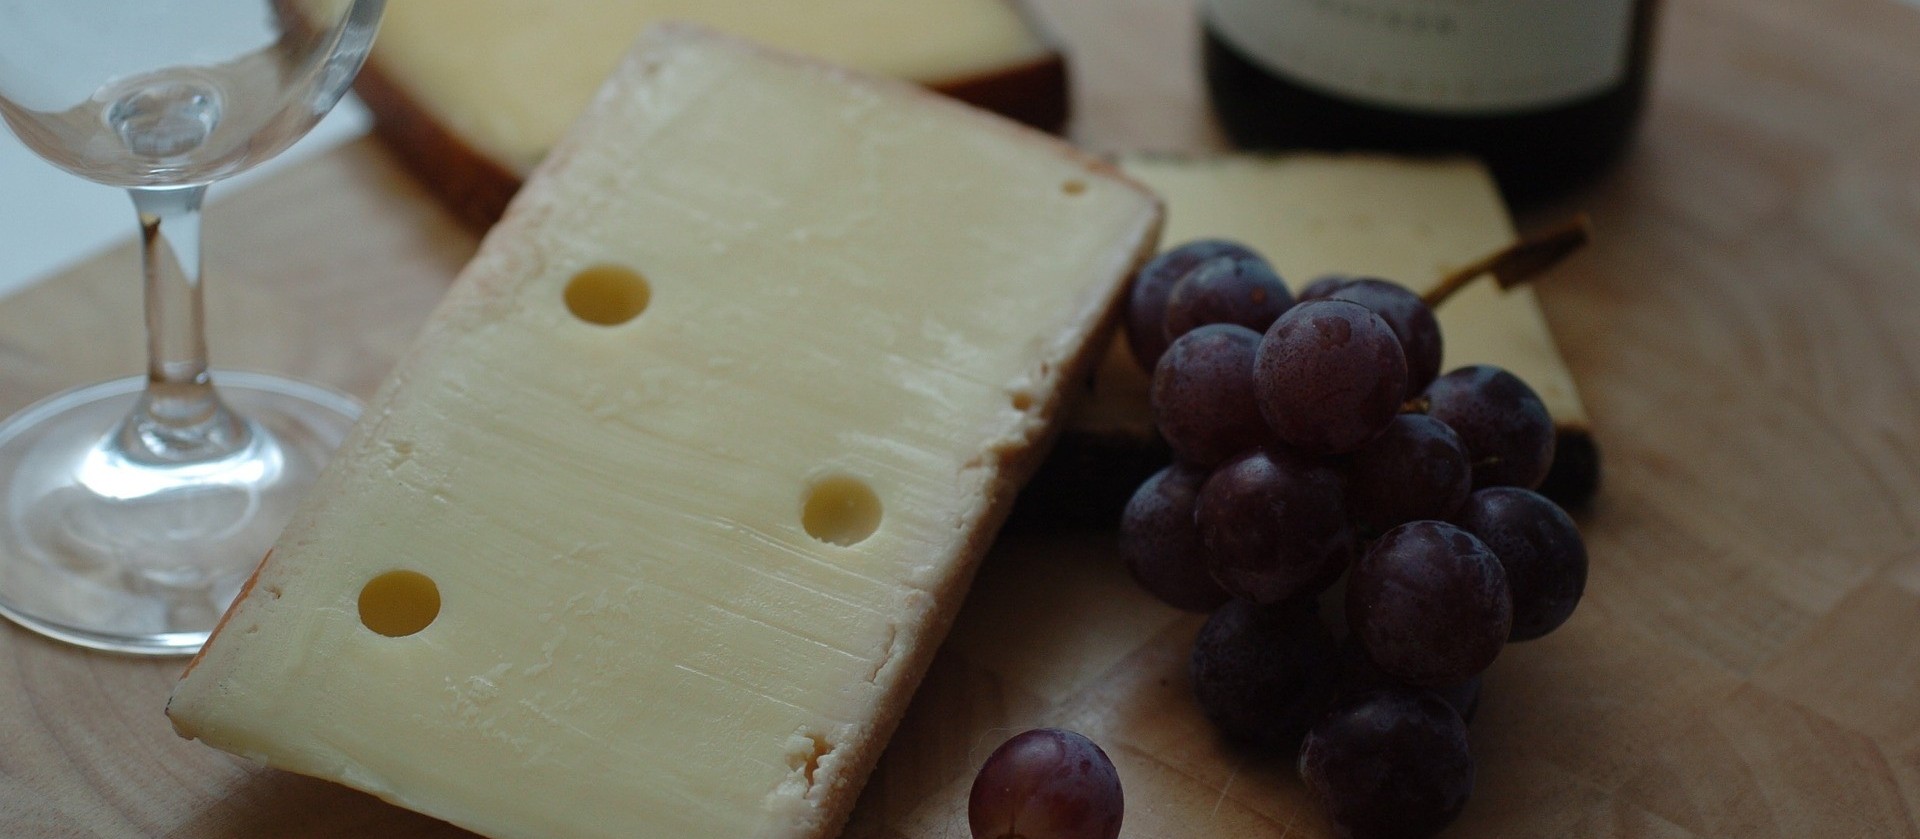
pixel 1363 530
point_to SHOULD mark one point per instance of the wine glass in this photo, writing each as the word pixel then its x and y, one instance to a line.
pixel 135 509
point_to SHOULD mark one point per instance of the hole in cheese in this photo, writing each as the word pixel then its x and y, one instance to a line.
pixel 841 510
pixel 1022 400
pixel 1074 187
pixel 608 295
pixel 399 603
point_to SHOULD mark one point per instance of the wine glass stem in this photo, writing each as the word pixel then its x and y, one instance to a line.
pixel 180 418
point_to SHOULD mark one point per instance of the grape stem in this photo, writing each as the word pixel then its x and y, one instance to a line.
pixel 1519 262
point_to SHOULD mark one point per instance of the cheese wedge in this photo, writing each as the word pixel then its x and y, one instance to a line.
pixel 472 93
pixel 1405 220
pixel 657 526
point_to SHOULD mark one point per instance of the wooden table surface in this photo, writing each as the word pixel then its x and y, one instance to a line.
pixel 1746 332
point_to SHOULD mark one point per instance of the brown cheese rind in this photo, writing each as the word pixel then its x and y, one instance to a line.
pixel 1034 93
pixel 476 187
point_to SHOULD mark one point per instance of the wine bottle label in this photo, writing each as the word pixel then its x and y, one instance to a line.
pixel 1441 56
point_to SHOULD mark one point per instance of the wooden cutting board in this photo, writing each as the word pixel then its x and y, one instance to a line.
pixel 1746 333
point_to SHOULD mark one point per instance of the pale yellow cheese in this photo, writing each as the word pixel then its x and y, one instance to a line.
pixel 687 567
pixel 1405 220
pixel 510 75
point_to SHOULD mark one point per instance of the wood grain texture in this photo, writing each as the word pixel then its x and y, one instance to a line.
pixel 1744 333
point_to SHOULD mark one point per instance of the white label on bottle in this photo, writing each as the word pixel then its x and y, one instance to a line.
pixel 1444 56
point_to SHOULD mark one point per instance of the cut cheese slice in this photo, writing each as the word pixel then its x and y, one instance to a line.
pixel 472 93
pixel 657 526
pixel 1405 220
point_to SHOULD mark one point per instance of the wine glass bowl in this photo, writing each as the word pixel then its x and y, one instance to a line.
pixel 132 511
pixel 188 92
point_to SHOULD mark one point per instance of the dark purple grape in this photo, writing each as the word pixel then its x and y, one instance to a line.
pixel 1047 783
pixel 1359 675
pixel 1412 322
pixel 1322 287
pixel 1265 674
pixel 1202 394
pixel 1429 603
pixel 1330 375
pixel 1161 544
pixel 1274 525
pixel 1147 298
pixel 1241 290
pixel 1508 433
pixel 1390 764
pixel 1416 469
pixel 1541 550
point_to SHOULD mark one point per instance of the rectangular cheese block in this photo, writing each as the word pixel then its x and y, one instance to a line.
pixel 473 93
pixel 655 529
pixel 1410 221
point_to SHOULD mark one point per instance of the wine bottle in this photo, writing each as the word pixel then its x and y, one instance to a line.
pixel 1546 91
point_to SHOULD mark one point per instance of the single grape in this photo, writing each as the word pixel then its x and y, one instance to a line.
pixel 1202 394
pixel 1541 550
pixel 1322 287
pixel 1429 603
pixel 1274 525
pixel 1226 289
pixel 1412 322
pixel 1047 783
pixel 1161 544
pixel 1330 375
pixel 1389 764
pixel 1147 297
pixel 1265 674
pixel 1416 469
pixel 1360 675
pixel 1508 433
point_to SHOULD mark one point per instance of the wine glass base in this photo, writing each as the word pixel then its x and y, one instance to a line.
pixel 140 558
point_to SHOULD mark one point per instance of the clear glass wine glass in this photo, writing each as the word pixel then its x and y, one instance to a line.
pixel 135 509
